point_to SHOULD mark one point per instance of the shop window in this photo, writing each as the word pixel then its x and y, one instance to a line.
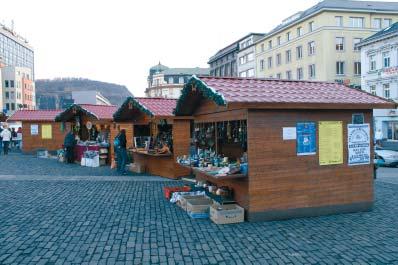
pixel 392 133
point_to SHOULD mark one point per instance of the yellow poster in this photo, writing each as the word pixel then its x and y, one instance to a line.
pixel 330 142
pixel 46 131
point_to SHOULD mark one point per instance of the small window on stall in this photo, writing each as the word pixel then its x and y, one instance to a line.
pixel 163 137
pixel 141 136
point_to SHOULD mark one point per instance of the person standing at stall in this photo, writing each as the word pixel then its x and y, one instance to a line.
pixel 69 144
pixel 6 136
pixel 122 152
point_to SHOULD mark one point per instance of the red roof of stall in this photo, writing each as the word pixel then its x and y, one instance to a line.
pixel 34 115
pixel 159 106
pixel 102 112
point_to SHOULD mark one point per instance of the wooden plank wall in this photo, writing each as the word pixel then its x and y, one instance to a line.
pixel 128 126
pixel 280 180
pixel 31 143
pixel 181 144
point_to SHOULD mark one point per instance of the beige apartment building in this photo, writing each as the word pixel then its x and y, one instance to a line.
pixel 319 43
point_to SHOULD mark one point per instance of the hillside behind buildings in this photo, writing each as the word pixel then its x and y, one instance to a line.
pixel 56 93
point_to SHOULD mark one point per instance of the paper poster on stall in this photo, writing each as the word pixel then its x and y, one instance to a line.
pixel 330 142
pixel 289 133
pixel 306 138
pixel 34 129
pixel 358 144
pixel 46 131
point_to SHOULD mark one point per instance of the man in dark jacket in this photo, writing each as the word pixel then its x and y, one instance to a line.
pixel 69 144
pixel 122 152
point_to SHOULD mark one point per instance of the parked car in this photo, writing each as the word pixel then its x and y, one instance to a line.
pixel 386 157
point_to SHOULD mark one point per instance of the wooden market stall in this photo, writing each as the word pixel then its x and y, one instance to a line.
pixel 307 146
pixel 39 130
pixel 154 128
pixel 91 125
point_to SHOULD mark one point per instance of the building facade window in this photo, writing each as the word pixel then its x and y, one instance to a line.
pixel 376 23
pixel 269 62
pixel 311 71
pixel 262 64
pixel 339 43
pixel 356 22
pixel 181 80
pixel 299 52
pixel 372 63
pixel 386 59
pixel 339 21
pixel 311 48
pixel 357 68
pixel 278 59
pixel 300 73
pixel 11 83
pixel 279 76
pixel 7 95
pixel 373 90
pixel 270 44
pixel 311 26
pixel 288 56
pixel 243 74
pixel 288 36
pixel 386 91
pixel 262 47
pixel 250 72
pixel 387 22
pixel 299 31
pixel 278 40
pixel 392 130
pixel 170 80
pixel 289 75
pixel 12 106
pixel 355 42
pixel 6 84
pixel 340 68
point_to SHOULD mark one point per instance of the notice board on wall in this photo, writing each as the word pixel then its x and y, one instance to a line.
pixel 358 144
pixel 34 129
pixel 46 131
pixel 330 143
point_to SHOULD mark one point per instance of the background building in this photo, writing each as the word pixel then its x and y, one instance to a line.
pixel 246 63
pixel 379 57
pixel 18 89
pixel 319 43
pixel 167 82
pixel 18 57
pixel 89 97
pixel 224 62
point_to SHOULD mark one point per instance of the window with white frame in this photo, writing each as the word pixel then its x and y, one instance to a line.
pixel 340 68
pixel 278 40
pixel 288 75
pixel 387 22
pixel 339 43
pixel 311 48
pixel 372 62
pixel 170 80
pixel 279 76
pixel 270 44
pixel 288 36
pixel 357 68
pixel 300 73
pixel 262 64
pixel 373 89
pixel 356 22
pixel 288 56
pixel 299 52
pixel 278 59
pixel 386 91
pixel 339 21
pixel 299 31
pixel 250 57
pixel 311 71
pixel 250 72
pixel 181 80
pixel 355 42
pixel 311 26
pixel 376 23
pixel 243 74
pixel 269 62
pixel 262 47
pixel 386 59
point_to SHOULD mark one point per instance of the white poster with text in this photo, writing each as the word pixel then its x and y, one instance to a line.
pixel 358 144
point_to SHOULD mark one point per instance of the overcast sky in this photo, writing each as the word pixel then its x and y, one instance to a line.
pixel 118 41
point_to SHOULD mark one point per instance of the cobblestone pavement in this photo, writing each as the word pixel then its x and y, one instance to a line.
pixel 124 221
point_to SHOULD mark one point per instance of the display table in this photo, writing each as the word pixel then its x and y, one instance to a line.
pixel 163 165
pixel 80 149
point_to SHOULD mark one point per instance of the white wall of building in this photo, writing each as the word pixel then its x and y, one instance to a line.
pixel 382 80
pixel 89 97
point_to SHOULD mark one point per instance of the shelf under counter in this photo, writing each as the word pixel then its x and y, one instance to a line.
pixel 197 170
pixel 150 154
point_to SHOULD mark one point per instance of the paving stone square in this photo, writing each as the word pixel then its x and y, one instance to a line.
pixel 52 213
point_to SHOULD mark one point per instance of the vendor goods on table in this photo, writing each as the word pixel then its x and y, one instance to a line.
pixel 227 214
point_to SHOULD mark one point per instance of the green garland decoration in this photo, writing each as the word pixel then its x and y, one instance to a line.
pixel 206 91
pixel 135 103
pixel 60 116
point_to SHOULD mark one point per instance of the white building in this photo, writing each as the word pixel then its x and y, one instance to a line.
pixel 246 55
pixel 89 97
pixel 379 58
pixel 18 89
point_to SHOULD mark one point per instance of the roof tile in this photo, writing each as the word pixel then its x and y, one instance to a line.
pixel 34 115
